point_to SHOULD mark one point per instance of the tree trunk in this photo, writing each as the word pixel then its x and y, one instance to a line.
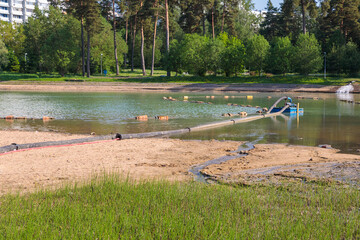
pixel 213 22
pixel 88 55
pixel 154 41
pixel 203 23
pixel 126 40
pixel 115 45
pixel 133 45
pixel 82 47
pixel 303 16
pixel 223 18
pixel 142 46
pixel 167 32
pixel 142 51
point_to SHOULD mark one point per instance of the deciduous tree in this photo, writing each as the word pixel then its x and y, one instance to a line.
pixel 257 49
pixel 280 56
pixel 3 55
pixel 307 54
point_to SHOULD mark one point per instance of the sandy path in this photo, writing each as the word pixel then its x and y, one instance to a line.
pixel 137 158
pixel 163 87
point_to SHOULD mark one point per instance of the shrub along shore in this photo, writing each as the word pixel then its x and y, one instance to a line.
pixel 111 207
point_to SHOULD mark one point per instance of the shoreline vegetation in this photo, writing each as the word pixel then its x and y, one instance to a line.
pixel 111 207
pixel 133 81
pixel 160 77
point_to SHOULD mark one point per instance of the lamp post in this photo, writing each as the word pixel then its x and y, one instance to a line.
pixel 325 65
pixel 25 61
pixel 101 65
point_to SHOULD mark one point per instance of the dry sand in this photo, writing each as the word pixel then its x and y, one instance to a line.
pixel 167 159
pixel 137 158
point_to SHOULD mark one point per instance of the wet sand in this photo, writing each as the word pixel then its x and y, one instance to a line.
pixel 145 159
pixel 273 163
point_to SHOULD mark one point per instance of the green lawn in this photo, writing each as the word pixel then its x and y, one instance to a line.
pixel 113 208
pixel 160 76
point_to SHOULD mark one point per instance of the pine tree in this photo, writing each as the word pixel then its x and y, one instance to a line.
pixel 270 27
pixel 77 8
pixel 308 9
pixel 92 25
pixel 342 15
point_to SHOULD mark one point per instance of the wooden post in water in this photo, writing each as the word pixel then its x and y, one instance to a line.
pixel 297 114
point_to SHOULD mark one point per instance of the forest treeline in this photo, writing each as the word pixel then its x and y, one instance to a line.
pixel 189 36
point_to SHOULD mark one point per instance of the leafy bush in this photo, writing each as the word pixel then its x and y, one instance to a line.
pixel 233 56
pixel 344 59
pixel 307 55
pixel 256 52
pixel 280 55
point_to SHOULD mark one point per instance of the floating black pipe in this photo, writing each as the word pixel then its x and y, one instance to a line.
pixel 118 136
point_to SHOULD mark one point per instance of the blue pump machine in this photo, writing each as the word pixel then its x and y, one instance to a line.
pixel 292 109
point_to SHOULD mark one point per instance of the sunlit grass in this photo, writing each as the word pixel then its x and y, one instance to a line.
pixel 160 77
pixel 115 208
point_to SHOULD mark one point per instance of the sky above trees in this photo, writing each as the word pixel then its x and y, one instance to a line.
pixel 261 4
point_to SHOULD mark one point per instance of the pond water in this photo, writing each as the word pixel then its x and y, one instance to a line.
pixel 326 120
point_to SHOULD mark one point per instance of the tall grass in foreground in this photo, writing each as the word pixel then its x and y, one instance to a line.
pixel 113 208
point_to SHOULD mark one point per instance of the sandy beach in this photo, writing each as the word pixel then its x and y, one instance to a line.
pixel 139 159
pixel 165 159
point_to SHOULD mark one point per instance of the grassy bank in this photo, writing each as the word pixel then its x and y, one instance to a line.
pixel 114 209
pixel 159 77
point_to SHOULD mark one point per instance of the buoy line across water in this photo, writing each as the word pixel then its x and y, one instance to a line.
pixel 13 148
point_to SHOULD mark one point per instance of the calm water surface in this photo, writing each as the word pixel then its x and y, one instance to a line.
pixel 325 121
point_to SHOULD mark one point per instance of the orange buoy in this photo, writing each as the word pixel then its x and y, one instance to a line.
pixel 45 118
pixel 162 117
pixel 142 117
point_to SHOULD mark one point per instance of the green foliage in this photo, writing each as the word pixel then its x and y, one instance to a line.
pixel 280 56
pixel 257 49
pixel 344 59
pixel 103 43
pixel 147 52
pixel 307 55
pixel 60 49
pixel 233 56
pixel 172 61
pixel 13 64
pixel 192 13
pixel 192 56
pixel 120 209
pixel 196 55
pixel 270 26
pixel 136 76
pixel 56 42
pixel 246 22
pixel 3 55
pixel 13 36
pixel 212 54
